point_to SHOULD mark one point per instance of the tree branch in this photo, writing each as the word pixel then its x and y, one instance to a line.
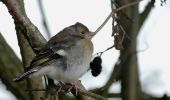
pixel 146 12
pixel 31 32
pixel 44 19
pixel 130 84
pixel 113 12
pixel 11 65
pixel 81 93
pixel 29 39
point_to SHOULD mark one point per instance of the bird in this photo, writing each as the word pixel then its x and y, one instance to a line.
pixel 65 57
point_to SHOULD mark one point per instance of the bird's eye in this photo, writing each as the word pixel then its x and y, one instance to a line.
pixel 82 32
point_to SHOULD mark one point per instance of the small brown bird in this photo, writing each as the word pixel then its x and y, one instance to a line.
pixel 65 57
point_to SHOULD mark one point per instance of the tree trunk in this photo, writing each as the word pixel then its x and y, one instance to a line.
pixel 131 89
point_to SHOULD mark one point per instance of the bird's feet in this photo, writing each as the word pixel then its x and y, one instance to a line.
pixel 73 87
pixel 60 87
pixel 68 87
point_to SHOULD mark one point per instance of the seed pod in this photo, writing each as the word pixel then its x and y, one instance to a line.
pixel 96 66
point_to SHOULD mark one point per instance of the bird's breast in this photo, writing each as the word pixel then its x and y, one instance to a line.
pixel 75 63
pixel 81 53
pixel 78 59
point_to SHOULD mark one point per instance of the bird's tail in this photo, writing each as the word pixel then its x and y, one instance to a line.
pixel 25 75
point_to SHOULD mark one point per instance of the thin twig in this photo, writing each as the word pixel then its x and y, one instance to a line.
pixel 106 20
pixel 114 11
pixel 44 19
pixel 36 90
pixel 93 95
pixel 105 50
pixel 128 5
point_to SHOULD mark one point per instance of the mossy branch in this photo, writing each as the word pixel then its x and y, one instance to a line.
pixel 10 65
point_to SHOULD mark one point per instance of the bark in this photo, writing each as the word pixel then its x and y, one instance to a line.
pixel 26 31
pixel 10 65
pixel 131 89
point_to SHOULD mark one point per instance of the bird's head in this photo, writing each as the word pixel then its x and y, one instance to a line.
pixel 83 31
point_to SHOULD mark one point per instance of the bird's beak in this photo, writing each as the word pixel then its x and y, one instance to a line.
pixel 92 34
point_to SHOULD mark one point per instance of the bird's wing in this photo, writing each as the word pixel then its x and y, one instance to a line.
pixel 43 58
pixel 53 51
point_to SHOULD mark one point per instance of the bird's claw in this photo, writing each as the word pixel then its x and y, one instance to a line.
pixel 73 87
pixel 68 87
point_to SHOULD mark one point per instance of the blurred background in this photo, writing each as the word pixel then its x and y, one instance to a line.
pixel 151 47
